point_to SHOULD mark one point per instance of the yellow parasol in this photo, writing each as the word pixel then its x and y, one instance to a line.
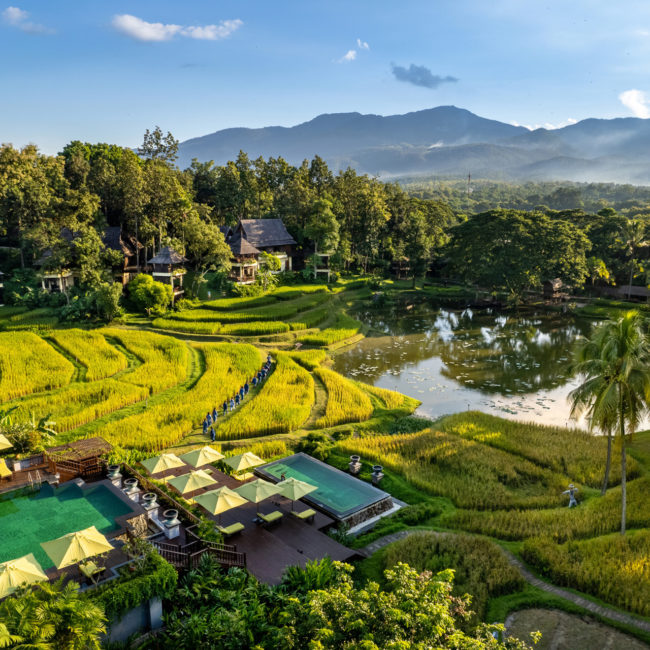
pixel 294 489
pixel 257 490
pixel 220 500
pixel 244 461
pixel 24 570
pixel 4 443
pixel 76 547
pixel 202 456
pixel 161 463
pixel 192 481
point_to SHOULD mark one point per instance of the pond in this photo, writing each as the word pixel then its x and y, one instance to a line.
pixel 454 358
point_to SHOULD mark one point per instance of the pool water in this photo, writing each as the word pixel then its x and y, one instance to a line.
pixel 338 493
pixel 26 520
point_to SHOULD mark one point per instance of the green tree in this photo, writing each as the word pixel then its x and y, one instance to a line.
pixel 107 299
pixel 614 365
pixel 148 295
pixel 269 266
pixel 51 616
pixel 206 248
pixel 633 235
pixel 157 146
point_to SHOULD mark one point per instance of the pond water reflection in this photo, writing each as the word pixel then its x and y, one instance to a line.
pixel 512 364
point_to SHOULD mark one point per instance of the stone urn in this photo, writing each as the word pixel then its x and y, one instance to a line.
pixel 377 473
pixel 149 500
pixel 355 464
pixel 171 517
pixel 113 472
pixel 130 484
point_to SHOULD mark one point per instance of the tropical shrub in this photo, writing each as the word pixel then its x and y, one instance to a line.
pixel 283 404
pixel 28 365
pixel 471 474
pixel 227 367
pixel 613 568
pixel 345 402
pixel 480 567
pixel 92 350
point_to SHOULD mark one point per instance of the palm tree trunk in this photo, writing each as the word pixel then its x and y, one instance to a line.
pixel 623 467
pixel 608 464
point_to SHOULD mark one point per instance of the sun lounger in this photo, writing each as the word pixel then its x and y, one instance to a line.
pixel 233 529
pixel 305 515
pixel 91 570
pixel 272 518
pixel 5 472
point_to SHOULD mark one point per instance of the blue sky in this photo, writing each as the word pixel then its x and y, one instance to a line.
pixel 105 71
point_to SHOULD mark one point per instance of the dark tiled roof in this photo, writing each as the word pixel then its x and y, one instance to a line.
pixel 167 255
pixel 240 246
pixel 266 232
pixel 226 231
pixel 115 240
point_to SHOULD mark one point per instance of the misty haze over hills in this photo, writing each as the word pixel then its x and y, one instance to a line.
pixel 445 141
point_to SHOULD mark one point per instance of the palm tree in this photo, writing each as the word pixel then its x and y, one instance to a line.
pixel 633 234
pixel 615 366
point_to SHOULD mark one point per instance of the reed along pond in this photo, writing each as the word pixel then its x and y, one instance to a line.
pixel 453 358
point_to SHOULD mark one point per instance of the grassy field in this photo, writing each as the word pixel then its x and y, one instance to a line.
pixel 345 402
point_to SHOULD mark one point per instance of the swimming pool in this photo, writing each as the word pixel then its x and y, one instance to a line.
pixel 339 494
pixel 27 519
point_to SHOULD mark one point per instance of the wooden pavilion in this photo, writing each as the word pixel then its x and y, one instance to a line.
pixel 81 458
pixel 167 268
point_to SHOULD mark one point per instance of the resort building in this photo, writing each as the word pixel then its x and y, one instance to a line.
pixel 245 260
pixel 167 268
pixel 130 247
pixel 270 236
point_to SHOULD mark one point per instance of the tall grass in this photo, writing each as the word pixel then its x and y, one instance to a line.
pixel 309 359
pixel 28 365
pixel 43 318
pixel 77 404
pixel 164 359
pixel 598 516
pixel 228 366
pixel 283 404
pixel 390 398
pixel 310 319
pixel 472 475
pixel 192 327
pixel 613 568
pixel 345 402
pixel 256 328
pixel 226 304
pixel 572 452
pixel 345 327
pixel 92 350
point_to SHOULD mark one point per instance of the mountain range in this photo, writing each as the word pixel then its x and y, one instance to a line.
pixel 445 141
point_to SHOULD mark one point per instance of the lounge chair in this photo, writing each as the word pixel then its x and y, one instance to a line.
pixel 272 518
pixel 92 571
pixel 305 515
pixel 5 472
pixel 233 529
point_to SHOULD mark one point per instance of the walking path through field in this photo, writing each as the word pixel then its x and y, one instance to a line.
pixel 592 607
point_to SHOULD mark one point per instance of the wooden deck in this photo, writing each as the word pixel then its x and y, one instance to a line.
pixel 25 477
pixel 270 550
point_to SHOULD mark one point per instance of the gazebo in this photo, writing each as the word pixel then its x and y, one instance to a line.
pixel 80 458
pixel 167 268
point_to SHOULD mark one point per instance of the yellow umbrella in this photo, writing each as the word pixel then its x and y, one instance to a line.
pixel 24 570
pixel 162 463
pixel 220 500
pixel 202 456
pixel 192 481
pixel 76 547
pixel 4 443
pixel 257 490
pixel 244 461
pixel 294 489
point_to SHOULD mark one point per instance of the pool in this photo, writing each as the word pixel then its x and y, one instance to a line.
pixel 343 497
pixel 28 518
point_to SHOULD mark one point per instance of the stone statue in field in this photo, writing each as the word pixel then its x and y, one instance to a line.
pixel 572 495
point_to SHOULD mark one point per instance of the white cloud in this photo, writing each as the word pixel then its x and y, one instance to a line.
pixel 350 55
pixel 19 18
pixel 362 45
pixel 636 101
pixel 142 30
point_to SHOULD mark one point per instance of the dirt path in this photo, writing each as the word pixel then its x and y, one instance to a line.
pixel 532 579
